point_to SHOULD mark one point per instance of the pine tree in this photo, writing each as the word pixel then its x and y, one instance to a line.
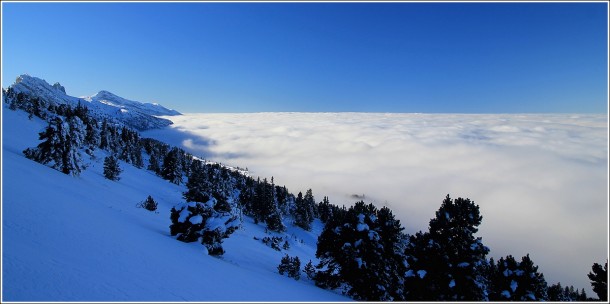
pixel 310 205
pixel 274 220
pixel 555 293
pixel 104 135
pixel 10 98
pixel 258 210
pixel 324 210
pixel 171 170
pixel 74 140
pixel 153 164
pixel 265 206
pixel 49 150
pixel 301 213
pixel 599 280
pixel 360 249
pixel 149 204
pixel 109 137
pixel 291 266
pixel 111 168
pixel 310 270
pixel 517 281
pixel 197 184
pixel 190 222
pixel 531 284
pixel 284 199
pixel 393 245
pixel 246 197
pixel 445 264
pixel 60 146
pixel 92 137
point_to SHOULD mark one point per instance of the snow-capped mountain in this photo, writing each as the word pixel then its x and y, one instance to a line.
pixel 141 116
pixel 110 99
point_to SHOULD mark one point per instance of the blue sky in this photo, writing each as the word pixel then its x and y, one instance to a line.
pixel 319 57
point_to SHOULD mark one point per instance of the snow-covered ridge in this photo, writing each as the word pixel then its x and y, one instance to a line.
pixel 141 116
pixel 110 99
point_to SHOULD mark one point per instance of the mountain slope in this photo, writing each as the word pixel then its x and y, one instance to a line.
pixel 82 239
pixel 134 114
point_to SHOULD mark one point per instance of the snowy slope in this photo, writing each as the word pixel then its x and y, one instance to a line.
pixel 82 238
pixel 105 104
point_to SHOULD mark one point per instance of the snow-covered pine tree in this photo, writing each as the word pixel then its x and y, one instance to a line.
pixel 329 268
pixel 274 220
pixel 171 170
pixel 112 170
pixel 34 106
pixel 109 137
pixel 284 200
pixel 130 147
pixel 74 141
pixel 10 98
pixel 263 205
pixel 156 151
pixel 259 212
pixel 393 241
pixel 301 214
pixel 246 197
pixel 49 150
pixel 104 142
pixel 310 204
pixel 500 278
pixel 291 266
pixel 153 164
pixel 274 216
pixel 197 186
pixel 445 264
pixel 531 285
pixel 207 215
pixel 192 221
pixel 351 251
pixel 310 270
pixel 60 147
pixel 219 184
pixel 92 135
pixel 517 281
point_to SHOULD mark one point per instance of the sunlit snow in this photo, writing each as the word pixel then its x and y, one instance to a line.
pixel 82 238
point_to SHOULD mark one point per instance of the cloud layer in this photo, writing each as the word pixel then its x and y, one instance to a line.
pixel 541 181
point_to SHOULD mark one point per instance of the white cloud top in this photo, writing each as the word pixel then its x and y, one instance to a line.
pixel 541 181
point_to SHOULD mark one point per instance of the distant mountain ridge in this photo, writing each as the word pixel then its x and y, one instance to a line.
pixel 139 115
pixel 111 99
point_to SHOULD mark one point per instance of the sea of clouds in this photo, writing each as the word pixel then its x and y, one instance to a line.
pixel 541 181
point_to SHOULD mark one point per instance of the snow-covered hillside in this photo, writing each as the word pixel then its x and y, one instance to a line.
pixel 104 104
pixel 82 238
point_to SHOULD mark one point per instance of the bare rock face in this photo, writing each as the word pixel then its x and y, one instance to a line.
pixel 60 87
